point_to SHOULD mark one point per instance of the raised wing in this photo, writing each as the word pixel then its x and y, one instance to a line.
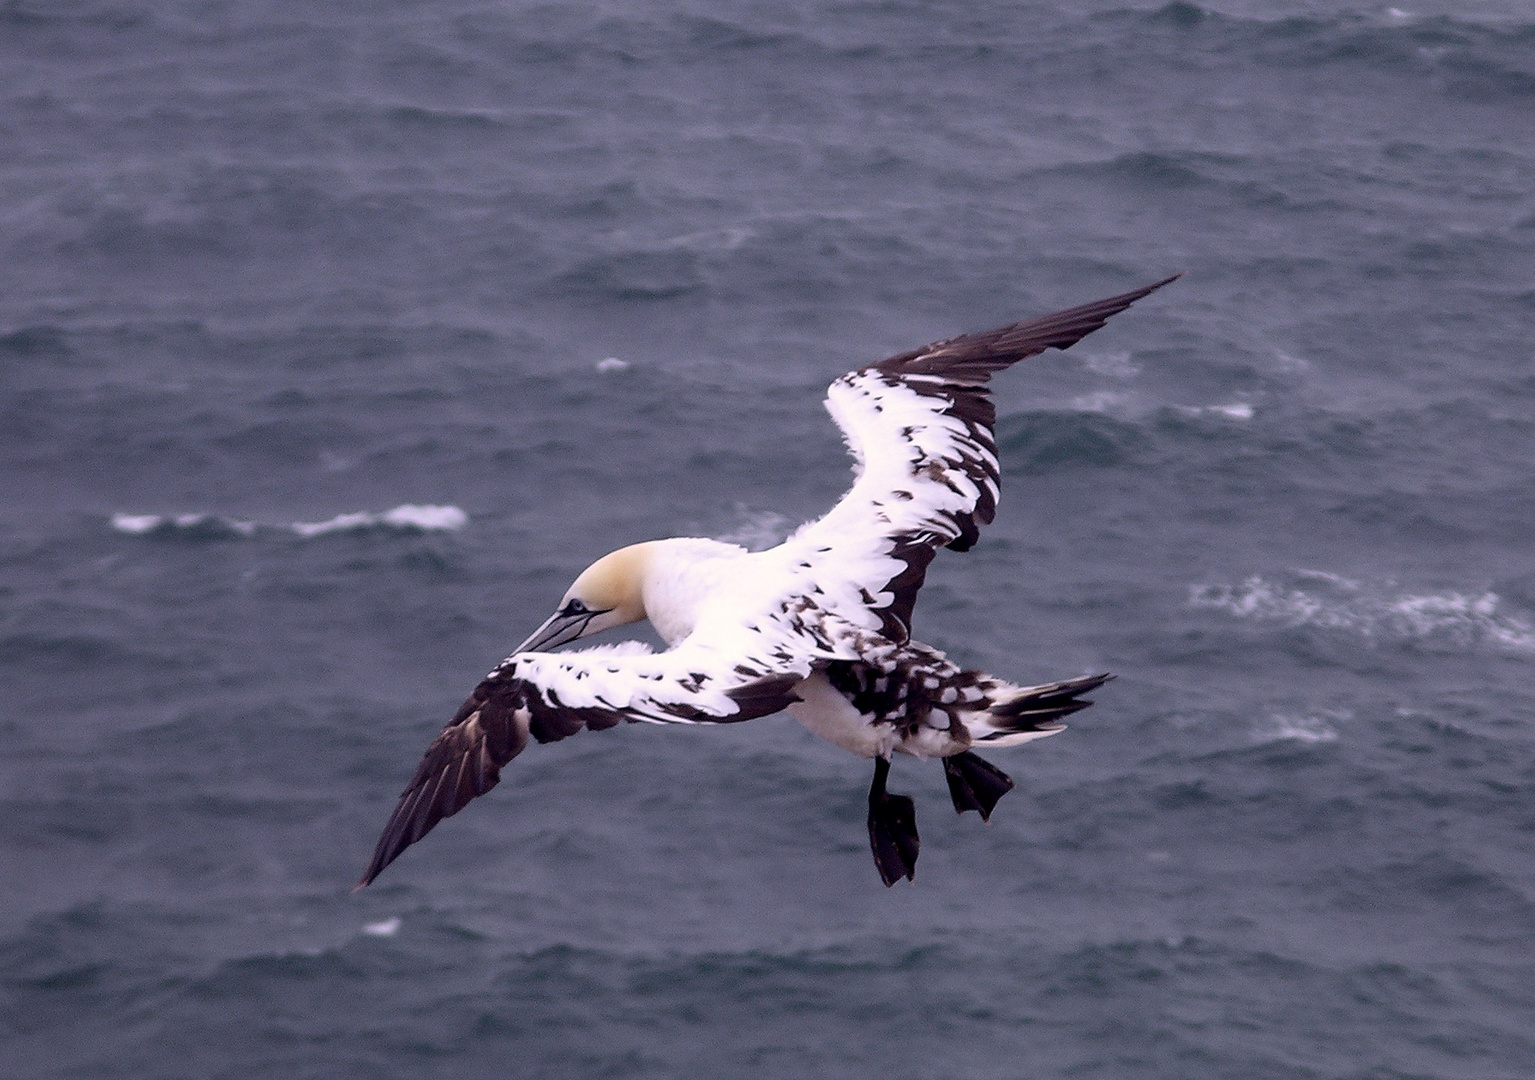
pixel 920 428
pixel 549 696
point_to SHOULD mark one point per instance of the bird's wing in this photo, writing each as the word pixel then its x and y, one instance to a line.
pixel 919 426
pixel 548 696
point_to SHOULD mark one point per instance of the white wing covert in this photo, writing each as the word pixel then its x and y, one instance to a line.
pixel 919 426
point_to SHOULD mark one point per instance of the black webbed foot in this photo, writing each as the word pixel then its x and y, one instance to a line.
pixel 975 783
pixel 892 829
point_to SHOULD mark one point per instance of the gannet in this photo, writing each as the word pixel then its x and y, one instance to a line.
pixel 819 626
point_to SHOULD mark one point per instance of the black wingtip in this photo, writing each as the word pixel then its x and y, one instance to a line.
pixel 1154 286
pixel 1065 328
pixel 970 359
pixel 382 857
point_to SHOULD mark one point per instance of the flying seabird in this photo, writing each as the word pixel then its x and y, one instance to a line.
pixel 819 626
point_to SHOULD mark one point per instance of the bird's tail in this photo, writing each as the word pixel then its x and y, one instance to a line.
pixel 1016 714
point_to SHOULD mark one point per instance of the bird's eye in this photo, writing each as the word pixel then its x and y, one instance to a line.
pixel 575 607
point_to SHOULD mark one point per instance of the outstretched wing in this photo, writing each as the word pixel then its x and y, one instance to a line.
pixel 920 428
pixel 549 696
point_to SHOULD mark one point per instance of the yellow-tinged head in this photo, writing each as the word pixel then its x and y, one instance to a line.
pixel 608 593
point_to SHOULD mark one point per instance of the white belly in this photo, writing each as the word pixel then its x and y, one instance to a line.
pixel 825 712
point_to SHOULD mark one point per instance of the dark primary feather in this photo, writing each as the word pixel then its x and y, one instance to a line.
pixel 954 373
pixel 494 725
pixel 483 736
pixel 970 358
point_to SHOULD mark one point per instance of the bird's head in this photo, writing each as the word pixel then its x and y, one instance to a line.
pixel 607 593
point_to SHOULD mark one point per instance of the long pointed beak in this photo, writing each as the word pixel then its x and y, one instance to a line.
pixel 558 629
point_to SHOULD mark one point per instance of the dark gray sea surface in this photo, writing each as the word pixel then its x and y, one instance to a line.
pixel 335 339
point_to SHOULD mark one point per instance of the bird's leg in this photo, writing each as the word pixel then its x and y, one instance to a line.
pixel 892 828
pixel 975 783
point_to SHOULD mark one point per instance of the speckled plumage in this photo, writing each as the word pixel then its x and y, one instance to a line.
pixel 819 625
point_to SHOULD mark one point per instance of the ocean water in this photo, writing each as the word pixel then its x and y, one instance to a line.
pixel 335 339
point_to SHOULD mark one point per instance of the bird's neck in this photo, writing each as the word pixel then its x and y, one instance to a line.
pixel 679 575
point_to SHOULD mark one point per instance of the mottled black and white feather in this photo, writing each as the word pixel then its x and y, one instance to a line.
pixel 919 426
pixel 545 697
pixel 820 625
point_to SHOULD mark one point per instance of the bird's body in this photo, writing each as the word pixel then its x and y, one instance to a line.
pixel 818 626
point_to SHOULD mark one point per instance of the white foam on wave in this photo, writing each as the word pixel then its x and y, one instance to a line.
pixel 1285 362
pixel 142 524
pixel 1318 727
pixel 383 928
pixel 1103 401
pixel 1114 365
pixel 137 524
pixel 339 523
pixel 1235 410
pixel 1315 598
pixel 723 238
pixel 431 518
pixel 1127 404
pixel 757 530
pixel 409 517
pixel 422 518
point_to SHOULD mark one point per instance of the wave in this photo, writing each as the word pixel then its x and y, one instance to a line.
pixel 405 518
pixel 636 275
pixel 757 530
pixel 1134 407
pixel 408 518
pixel 1038 441
pixel 1235 410
pixel 1377 613
pixel 1460 56
pixel 1316 727
pixel 206 526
